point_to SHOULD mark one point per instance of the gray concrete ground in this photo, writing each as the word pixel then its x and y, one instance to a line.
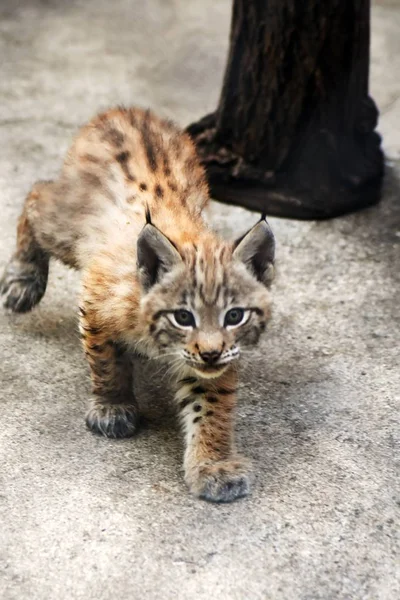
pixel 83 517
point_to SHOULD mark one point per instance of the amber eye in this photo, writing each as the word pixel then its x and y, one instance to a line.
pixel 184 318
pixel 234 317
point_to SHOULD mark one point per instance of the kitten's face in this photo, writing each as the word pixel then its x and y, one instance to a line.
pixel 206 307
pixel 205 326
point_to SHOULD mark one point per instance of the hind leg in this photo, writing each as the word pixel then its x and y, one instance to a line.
pixel 25 277
pixel 113 411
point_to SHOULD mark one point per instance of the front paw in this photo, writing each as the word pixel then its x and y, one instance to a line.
pixel 22 286
pixel 222 481
pixel 112 420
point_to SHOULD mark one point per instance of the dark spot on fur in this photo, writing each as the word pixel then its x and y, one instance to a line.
pixel 143 187
pixel 114 136
pixel 197 419
pixel 223 392
pixel 197 408
pixel 159 192
pixel 212 399
pixel 199 390
pixel 167 171
pixel 123 158
pixel 172 186
pixel 209 413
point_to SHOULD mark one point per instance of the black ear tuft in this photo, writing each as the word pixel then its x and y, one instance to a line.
pixel 256 249
pixel 156 255
pixel 148 215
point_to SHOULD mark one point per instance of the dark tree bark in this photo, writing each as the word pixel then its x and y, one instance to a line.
pixel 293 134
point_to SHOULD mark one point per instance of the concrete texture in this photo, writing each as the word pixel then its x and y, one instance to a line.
pixel 84 517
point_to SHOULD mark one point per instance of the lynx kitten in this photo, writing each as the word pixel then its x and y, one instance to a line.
pixel 127 211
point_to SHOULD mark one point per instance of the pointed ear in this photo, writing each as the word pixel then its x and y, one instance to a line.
pixel 156 255
pixel 256 249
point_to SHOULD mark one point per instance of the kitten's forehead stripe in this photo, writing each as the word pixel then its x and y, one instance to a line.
pixel 113 136
pixel 184 298
pixel 207 272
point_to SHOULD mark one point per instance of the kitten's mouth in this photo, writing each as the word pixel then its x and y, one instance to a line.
pixel 208 372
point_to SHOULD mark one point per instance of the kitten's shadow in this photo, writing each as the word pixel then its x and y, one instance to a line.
pixel 53 323
pixel 58 327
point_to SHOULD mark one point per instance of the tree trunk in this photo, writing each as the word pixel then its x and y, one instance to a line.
pixel 293 135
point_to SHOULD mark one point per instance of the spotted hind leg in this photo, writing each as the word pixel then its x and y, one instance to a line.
pixel 113 411
pixel 24 280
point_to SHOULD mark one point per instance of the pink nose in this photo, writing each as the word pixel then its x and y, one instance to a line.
pixel 210 357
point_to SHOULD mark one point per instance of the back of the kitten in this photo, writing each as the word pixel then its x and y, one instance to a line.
pixel 122 163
